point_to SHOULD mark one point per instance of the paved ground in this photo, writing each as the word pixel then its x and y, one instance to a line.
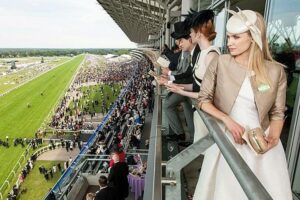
pixel 59 154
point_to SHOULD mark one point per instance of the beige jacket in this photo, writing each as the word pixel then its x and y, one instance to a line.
pixel 222 82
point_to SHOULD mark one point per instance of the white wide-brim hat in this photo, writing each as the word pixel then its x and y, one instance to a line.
pixel 243 21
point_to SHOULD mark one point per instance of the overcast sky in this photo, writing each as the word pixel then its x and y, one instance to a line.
pixel 58 24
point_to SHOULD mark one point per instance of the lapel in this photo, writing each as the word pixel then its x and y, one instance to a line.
pixel 263 99
pixel 230 77
pixel 236 75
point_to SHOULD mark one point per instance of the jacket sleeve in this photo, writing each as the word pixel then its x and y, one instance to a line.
pixel 277 110
pixel 208 84
pixel 174 61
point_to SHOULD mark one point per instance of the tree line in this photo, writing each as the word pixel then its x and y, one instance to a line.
pixel 16 52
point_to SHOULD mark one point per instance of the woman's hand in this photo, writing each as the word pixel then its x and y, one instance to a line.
pixel 235 129
pixel 274 133
pixel 272 140
pixel 161 80
pixel 174 88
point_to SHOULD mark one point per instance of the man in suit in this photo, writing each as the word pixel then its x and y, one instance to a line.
pixel 117 178
pixel 183 75
pixel 172 55
pixel 105 192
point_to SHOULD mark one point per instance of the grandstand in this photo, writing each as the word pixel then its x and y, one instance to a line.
pixel 167 176
pixel 172 171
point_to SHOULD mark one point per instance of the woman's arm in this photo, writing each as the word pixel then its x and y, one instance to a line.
pixel 187 87
pixel 206 97
pixel 276 114
pixel 274 133
pixel 210 57
pixel 234 128
pixel 180 90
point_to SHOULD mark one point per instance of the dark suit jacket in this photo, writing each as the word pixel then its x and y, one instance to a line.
pixel 117 179
pixel 174 61
pixel 187 76
pixel 105 194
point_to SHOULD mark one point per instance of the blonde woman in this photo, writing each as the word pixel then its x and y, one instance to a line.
pixel 202 33
pixel 245 89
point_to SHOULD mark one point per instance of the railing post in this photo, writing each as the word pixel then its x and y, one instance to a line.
pixel 7 182
pixel 176 164
pixel 246 178
pixel 153 186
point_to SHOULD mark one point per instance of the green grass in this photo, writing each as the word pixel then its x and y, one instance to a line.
pixel 94 95
pixel 6 159
pixel 36 185
pixel 17 120
pixel 21 76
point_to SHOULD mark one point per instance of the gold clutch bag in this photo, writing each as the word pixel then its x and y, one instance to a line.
pixel 256 141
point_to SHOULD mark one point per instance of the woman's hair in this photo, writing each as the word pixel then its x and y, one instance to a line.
pixel 203 22
pixel 257 57
pixel 207 29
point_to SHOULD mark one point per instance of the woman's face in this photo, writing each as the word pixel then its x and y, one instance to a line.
pixel 238 43
pixel 193 35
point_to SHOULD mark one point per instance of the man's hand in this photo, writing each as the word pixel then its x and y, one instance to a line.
pixel 161 80
pixel 165 71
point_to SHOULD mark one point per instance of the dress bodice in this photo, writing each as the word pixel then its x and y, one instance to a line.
pixel 244 110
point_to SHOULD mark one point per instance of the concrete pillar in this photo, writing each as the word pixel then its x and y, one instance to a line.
pixel 163 35
pixel 167 27
pixel 160 40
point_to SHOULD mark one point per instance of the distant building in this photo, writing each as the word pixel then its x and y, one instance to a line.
pixel 109 56
pixel 13 65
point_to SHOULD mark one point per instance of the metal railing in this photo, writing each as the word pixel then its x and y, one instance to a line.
pixel 65 178
pixel 72 170
pixel 26 154
pixel 63 190
pixel 15 170
pixel 173 181
pixel 153 187
pixel 248 181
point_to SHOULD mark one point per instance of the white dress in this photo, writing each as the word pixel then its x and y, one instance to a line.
pixel 199 71
pixel 217 181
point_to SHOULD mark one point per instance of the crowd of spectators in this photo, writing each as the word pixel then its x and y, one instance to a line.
pixel 124 128
pixel 23 142
pixel 91 73
pixel 116 72
pixel 13 194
